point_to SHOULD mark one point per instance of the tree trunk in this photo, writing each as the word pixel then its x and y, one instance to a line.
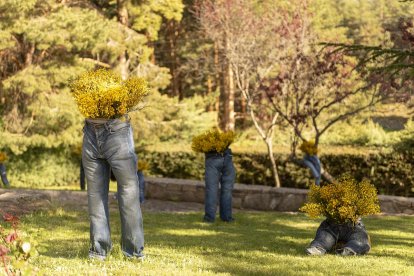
pixel 275 173
pixel 122 14
pixel 226 114
pixel 29 55
pixel 217 76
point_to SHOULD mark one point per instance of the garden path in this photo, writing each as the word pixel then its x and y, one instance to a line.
pixel 24 201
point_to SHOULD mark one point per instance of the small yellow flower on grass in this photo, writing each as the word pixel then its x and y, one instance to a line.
pixel 344 201
pixel 213 140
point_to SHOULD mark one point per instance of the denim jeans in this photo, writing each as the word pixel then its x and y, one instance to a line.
pixel 4 175
pixel 82 177
pixel 141 186
pixel 106 146
pixel 219 169
pixel 314 164
pixel 354 237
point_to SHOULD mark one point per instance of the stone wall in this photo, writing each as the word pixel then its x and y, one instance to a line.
pixel 255 197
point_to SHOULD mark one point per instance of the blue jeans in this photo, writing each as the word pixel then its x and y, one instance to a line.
pixel 4 175
pixel 82 177
pixel 141 186
pixel 354 237
pixel 219 169
pixel 106 146
pixel 314 164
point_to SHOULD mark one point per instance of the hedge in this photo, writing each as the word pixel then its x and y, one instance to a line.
pixel 391 173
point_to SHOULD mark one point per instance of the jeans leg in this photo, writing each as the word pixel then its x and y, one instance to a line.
pixel 4 175
pixel 358 239
pixel 123 162
pixel 141 186
pixel 227 183
pixel 82 177
pixel 97 175
pixel 325 237
pixel 212 178
pixel 313 163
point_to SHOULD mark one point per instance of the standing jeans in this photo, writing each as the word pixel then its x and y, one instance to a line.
pixel 110 145
pixel 219 169
pixel 355 237
pixel 3 175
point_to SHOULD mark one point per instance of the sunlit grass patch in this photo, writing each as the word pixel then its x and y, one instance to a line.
pixel 257 243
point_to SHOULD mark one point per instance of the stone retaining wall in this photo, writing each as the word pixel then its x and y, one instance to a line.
pixel 255 196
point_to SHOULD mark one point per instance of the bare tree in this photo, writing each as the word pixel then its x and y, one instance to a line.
pixel 317 88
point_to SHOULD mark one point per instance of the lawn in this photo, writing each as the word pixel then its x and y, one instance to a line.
pixel 258 243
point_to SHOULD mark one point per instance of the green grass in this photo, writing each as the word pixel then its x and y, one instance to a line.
pixel 258 243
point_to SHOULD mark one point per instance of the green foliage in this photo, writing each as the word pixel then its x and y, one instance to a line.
pixel 344 201
pixel 178 121
pixel 391 173
pixel 148 15
pixel 40 167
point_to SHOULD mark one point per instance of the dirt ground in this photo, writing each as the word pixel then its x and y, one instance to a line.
pixel 24 201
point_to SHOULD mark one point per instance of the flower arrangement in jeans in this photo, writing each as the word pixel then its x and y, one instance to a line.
pixel 142 165
pixel 309 148
pixel 103 94
pixel 213 140
pixel 3 157
pixel 344 201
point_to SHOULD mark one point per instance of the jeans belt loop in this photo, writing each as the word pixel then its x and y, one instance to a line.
pixel 108 128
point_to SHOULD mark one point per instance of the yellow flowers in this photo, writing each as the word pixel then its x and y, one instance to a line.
pixel 309 148
pixel 3 157
pixel 344 201
pixel 142 165
pixel 213 140
pixel 103 94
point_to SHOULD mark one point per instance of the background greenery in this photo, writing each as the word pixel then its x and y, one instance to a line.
pixel 46 43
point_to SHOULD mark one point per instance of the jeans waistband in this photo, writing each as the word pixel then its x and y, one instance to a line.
pixel 109 124
pixel 218 154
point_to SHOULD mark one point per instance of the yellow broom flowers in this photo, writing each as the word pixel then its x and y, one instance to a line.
pixel 213 140
pixel 344 201
pixel 103 94
pixel 309 148
pixel 3 157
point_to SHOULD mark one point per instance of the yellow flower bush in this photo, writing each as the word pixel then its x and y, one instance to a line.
pixel 103 94
pixel 344 201
pixel 309 148
pixel 213 140
pixel 3 157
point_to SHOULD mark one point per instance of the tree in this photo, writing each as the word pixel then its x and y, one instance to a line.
pixel 252 39
pixel 46 43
